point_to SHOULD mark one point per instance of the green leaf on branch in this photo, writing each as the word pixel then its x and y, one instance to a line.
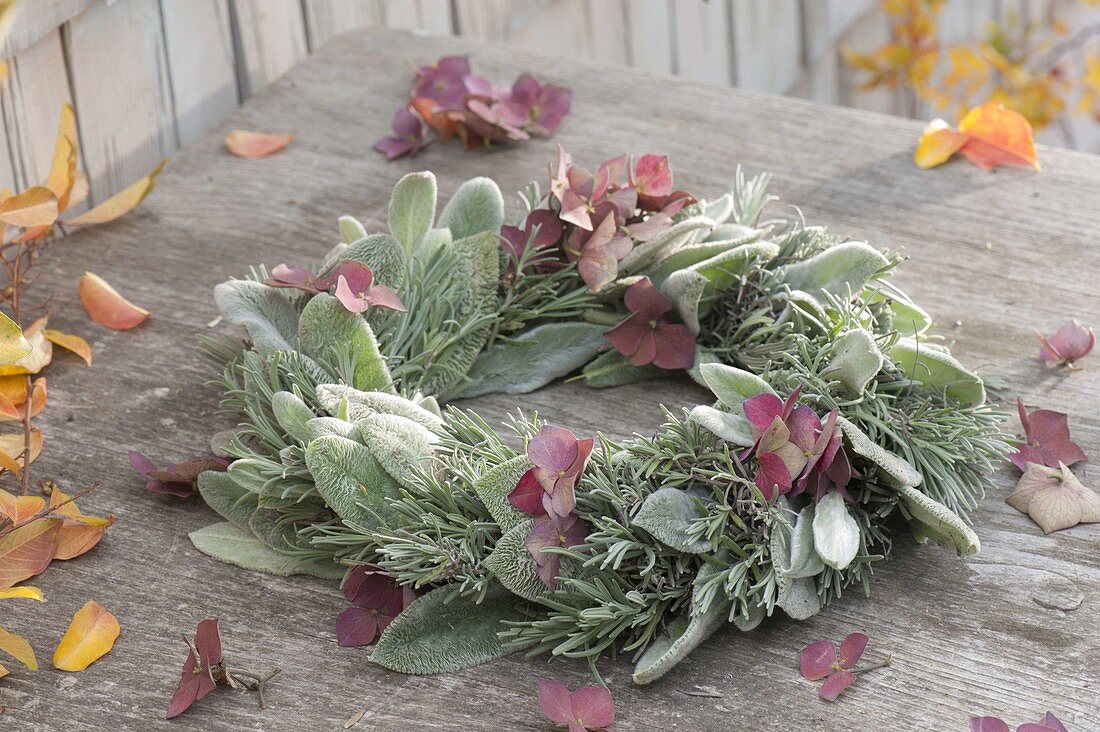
pixel 730 426
pixel 433 636
pixel 612 368
pixel 896 468
pixel 836 534
pixel 683 638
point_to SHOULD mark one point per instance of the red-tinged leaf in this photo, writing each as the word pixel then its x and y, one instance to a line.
pixel 988 724
pixel 37 404
pixel 18 647
pixel 998 136
pixel 36 206
pixel 26 551
pixel 11 449
pixel 851 649
pixel 246 144
pixel 836 683
pixel 106 306
pixel 20 508
pixel 77 536
pixel 8 411
pixel 70 342
pixel 817 660
pixel 937 144
pixel 122 202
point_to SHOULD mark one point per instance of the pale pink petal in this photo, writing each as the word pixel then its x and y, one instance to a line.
pixel 988 724
pixel 348 298
pixel 851 649
pixel 593 706
pixel 554 701
pixel 553 448
pixel 837 682
pixel 817 659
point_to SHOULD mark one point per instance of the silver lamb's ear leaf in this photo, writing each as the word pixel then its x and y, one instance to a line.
pixel 702 356
pixel 327 328
pixel 836 533
pixel 855 359
pixel 719 209
pixel 612 368
pixel 936 368
pixel 360 404
pixel 430 404
pixel 685 288
pixel 687 256
pixel 269 318
pixel 792 549
pixel 350 229
pixel 533 359
pixel 249 473
pixel 730 426
pixel 723 269
pixel 234 503
pixel 435 239
pixel 352 482
pixel 324 426
pixel 476 207
pixel 412 209
pixel 668 241
pixel 893 466
pixel 798 597
pixel 909 318
pixel 667 514
pixel 227 543
pixel 493 487
pixel 684 637
pixel 732 385
pixel 850 265
pixel 400 445
pixel 434 636
pixel 513 565
pixel 386 257
pixel 293 415
pixel 940 523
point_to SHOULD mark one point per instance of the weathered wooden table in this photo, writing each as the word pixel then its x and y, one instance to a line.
pixel 1013 631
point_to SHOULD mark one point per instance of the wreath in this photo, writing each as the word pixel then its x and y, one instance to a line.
pixel 837 418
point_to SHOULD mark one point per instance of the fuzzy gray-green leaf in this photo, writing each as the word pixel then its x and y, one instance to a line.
pixel 227 543
pixel 234 503
pixel 493 487
pixel 612 368
pixel 838 269
pixel 937 369
pixel 513 565
pixel 732 385
pixel 730 426
pixel 270 319
pixel 855 359
pixel 327 328
pixel 292 414
pixel 435 637
pixel 323 426
pixel 533 359
pixel 360 404
pixel 940 523
pixel 384 254
pixel 400 445
pixel 667 514
pixel 412 209
pixel 895 467
pixel 683 638
pixel 477 206
pixel 353 482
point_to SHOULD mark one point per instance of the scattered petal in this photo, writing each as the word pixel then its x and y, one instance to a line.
pixel 90 636
pixel 1048 440
pixel 1054 498
pixel 1071 343
pixel 23 591
pixel 246 144
pixel 106 306
pixel 18 647
pixel 122 202
pixel 817 660
pixel 937 144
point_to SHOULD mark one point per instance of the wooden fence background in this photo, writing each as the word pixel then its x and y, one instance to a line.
pixel 147 76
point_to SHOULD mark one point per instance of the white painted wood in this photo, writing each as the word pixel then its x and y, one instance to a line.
pixel 122 94
pixel 494 19
pixel 31 102
pixel 401 14
pixel 36 19
pixel 7 171
pixel 703 36
pixel 867 32
pixel 767 44
pixel 605 21
pixel 271 39
pixel 201 64
pixel 435 17
pixel 328 18
pixel 556 28
pixel 650 35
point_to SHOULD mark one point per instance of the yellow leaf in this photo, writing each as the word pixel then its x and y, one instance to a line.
pixel 121 203
pixel 71 342
pixel 998 136
pixel 18 647
pixel 63 169
pixel 80 189
pixel 36 206
pixel 20 508
pixel 26 591
pixel 937 143
pixel 3 671
pixel 11 445
pixel 13 344
pixel 41 352
pixel 79 532
pixel 90 636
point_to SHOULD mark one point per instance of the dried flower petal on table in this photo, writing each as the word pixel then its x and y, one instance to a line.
pixel 377 600
pixel 1047 439
pixel 247 144
pixel 1054 498
pixel 197 679
pixel 175 480
pixel 106 306
pixel 1070 344
pixel 587 708
pixel 822 660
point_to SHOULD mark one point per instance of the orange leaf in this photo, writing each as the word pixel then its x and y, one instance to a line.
pixel 28 550
pixel 25 591
pixel 17 646
pixel 122 202
pixel 36 206
pixel 937 143
pixel 11 446
pixel 3 671
pixel 429 110
pixel 20 508
pixel 9 411
pixel 71 342
pixel 38 403
pixel 245 144
pixel 998 136
pixel 106 306
pixel 14 388
pixel 79 532
pixel 63 169
pixel 41 352
pixel 90 636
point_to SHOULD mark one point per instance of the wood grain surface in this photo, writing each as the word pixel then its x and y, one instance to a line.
pixel 1012 631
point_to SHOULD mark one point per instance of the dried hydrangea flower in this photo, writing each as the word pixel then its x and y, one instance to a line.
pixel 356 290
pixel 573 187
pixel 821 659
pixel 587 708
pixel 377 600
pixel 197 679
pixel 1054 498
pixel 559 459
pixel 1049 723
pixel 175 480
pixel 541 231
pixel 1048 440
pixel 553 531
pixel 444 81
pixel 542 107
pixel 649 335
pixel 599 252
pixel 1070 344
pixel 409 135
pixel 297 278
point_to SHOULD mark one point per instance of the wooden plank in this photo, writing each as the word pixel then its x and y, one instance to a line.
pixel 37 19
pixel 703 41
pixel 966 636
pixel 270 38
pixel 327 18
pixel 650 36
pixel 767 44
pixel 606 24
pixel 118 71
pixel 31 101
pixel 201 64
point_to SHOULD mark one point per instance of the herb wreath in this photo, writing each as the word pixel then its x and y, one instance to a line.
pixel 835 413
